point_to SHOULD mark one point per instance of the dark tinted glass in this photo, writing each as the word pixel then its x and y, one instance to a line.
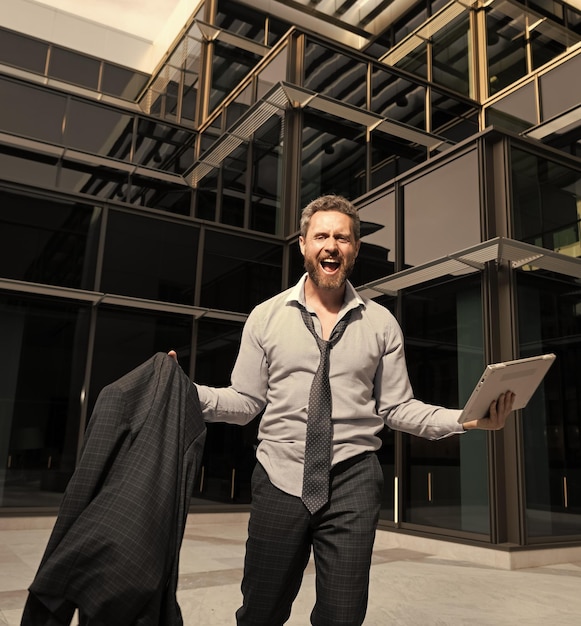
pixel 398 99
pixel 267 154
pixel 127 338
pixel 93 177
pixel 545 201
pixel 336 75
pixel 234 180
pixel 160 146
pixel 42 360
pixel 230 66
pixel 160 194
pixel 45 241
pixel 98 130
pixel 150 258
pixel 242 20
pixel 22 51
pixel 549 321
pixel 23 166
pixel 445 481
pixel 333 158
pixel 239 273
pixel 229 451
pixel 121 82
pixel 31 112
pixel 75 68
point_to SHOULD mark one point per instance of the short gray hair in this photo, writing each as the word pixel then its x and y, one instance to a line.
pixel 331 202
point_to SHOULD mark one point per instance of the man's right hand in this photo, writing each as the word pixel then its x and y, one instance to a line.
pixel 173 355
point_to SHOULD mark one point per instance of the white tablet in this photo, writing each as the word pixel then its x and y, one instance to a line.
pixel 522 377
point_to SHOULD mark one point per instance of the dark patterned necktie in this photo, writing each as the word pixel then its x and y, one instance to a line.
pixel 319 429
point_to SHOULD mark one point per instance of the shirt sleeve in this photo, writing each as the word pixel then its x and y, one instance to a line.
pixel 395 400
pixel 245 398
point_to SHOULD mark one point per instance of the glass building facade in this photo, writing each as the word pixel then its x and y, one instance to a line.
pixel 142 212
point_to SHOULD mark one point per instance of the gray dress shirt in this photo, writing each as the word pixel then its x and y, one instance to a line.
pixel 274 370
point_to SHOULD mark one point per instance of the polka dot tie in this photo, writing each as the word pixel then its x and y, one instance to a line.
pixel 319 428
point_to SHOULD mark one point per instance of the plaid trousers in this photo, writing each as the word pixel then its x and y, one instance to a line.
pixel 281 533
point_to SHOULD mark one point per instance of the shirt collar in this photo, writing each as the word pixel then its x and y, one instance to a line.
pixel 352 299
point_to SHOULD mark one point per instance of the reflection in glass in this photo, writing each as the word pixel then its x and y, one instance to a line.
pixel 39 114
pixel 391 156
pixel 266 177
pixel 234 181
pixel 335 74
pixel 451 55
pixel 549 321
pixel 333 157
pixel 452 118
pixel 230 65
pixel 60 236
pixel 44 345
pixel 98 129
pixel 161 263
pixel 546 202
pixel 23 166
pixel 397 98
pixel 505 47
pixel 206 197
pixel 239 273
pixel 126 338
pixel 229 453
pixel 445 481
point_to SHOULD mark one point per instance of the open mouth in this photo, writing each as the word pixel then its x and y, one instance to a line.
pixel 330 265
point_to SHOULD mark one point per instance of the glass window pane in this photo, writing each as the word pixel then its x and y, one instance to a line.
pixel 161 146
pixel 230 65
pixel 398 99
pixel 376 256
pixel 159 194
pixel 61 240
pixel 229 456
pixel 446 481
pixel 234 181
pixel 517 111
pixel 442 211
pixel 23 166
pixel 549 320
pixel 39 113
pixel 75 68
pixel 98 130
pixel 93 178
pixel 206 197
pixel 266 177
pixel 122 82
pixel 546 201
pixel 333 158
pixel 451 118
pixel 391 156
pixel 505 48
pixel 44 346
pixel 150 258
pixel 239 273
pixel 451 55
pixel 126 338
pixel 335 74
pixel 22 51
pixel 244 21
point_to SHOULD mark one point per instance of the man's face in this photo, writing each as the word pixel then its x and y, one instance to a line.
pixel 329 248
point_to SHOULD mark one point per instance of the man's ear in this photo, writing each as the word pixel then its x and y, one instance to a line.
pixel 302 245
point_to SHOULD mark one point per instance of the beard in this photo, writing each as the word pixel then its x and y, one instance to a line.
pixel 322 280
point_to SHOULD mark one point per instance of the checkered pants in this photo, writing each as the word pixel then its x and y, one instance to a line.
pixel 280 535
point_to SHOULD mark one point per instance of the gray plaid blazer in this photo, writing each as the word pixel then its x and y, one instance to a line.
pixel 114 550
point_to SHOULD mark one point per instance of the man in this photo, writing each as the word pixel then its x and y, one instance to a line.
pixel 277 363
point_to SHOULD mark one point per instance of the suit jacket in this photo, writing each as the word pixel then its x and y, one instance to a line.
pixel 114 549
